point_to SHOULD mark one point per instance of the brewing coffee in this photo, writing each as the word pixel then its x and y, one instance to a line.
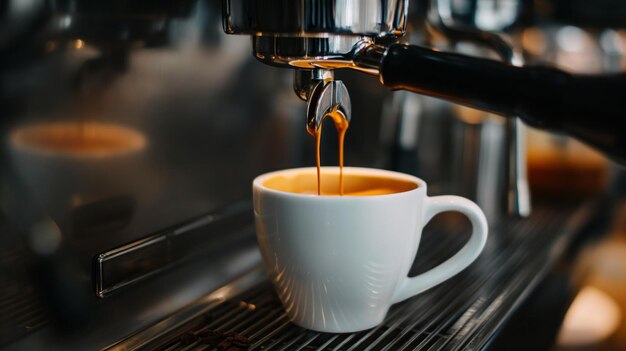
pixel 341 125
pixel 72 163
pixel 348 257
pixel 354 184
pixel 80 139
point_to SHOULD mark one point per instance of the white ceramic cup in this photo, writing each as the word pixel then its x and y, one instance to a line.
pixel 61 180
pixel 339 262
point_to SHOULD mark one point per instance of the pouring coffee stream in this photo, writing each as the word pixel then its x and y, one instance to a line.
pixel 328 98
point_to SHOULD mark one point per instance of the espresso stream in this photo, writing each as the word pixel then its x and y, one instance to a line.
pixel 341 125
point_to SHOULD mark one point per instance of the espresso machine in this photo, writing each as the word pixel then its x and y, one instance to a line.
pixel 157 251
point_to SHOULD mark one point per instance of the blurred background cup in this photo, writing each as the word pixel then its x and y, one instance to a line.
pixel 66 165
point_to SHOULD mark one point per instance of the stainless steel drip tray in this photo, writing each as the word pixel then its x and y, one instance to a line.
pixel 462 313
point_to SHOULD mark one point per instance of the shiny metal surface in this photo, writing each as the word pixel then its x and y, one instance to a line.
pixel 306 80
pixel 15 18
pixel 22 308
pixel 184 91
pixel 149 338
pixel 315 18
pixel 311 33
pixel 328 97
pixel 518 195
pixel 515 193
pixel 355 53
pixel 141 259
pixel 463 313
pixel 212 117
pixel 307 53
pixel 484 15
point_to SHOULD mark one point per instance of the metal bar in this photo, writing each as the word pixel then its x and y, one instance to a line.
pixel 147 338
pixel 451 306
pixel 495 262
pixel 164 250
pixel 269 316
pixel 394 316
pixel 482 306
pixel 228 313
pixel 190 346
pixel 269 326
pixel 327 343
pixel 173 347
pixel 404 315
pixel 307 342
pixel 268 336
pixel 572 226
pixel 458 314
pixel 22 308
pixel 497 291
pixel 431 255
pixel 15 298
pixel 488 312
pixel 241 315
pixel 429 312
pixel 285 336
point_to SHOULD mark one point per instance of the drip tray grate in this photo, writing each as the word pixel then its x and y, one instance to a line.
pixel 462 313
pixel 22 309
pixel 255 320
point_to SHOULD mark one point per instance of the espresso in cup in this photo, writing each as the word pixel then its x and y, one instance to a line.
pixel 64 165
pixel 339 262
pixel 81 139
pixel 353 184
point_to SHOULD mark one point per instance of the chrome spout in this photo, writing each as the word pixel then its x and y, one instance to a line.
pixel 327 98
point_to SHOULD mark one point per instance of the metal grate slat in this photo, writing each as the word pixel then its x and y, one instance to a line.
pixel 270 335
pixel 455 315
pixel 445 310
pixel 395 315
pixel 308 341
pixel 479 304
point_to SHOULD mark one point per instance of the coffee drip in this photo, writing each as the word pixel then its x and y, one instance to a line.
pixel 341 125
pixel 327 97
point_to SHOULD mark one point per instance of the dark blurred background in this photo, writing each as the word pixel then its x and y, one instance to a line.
pixel 213 118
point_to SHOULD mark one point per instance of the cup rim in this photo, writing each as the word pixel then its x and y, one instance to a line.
pixel 257 183
pixel 16 143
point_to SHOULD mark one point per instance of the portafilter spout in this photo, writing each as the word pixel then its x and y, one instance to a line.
pixel 328 97
pixel 314 37
pixel 313 34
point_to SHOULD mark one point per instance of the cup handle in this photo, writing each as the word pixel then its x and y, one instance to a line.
pixel 434 205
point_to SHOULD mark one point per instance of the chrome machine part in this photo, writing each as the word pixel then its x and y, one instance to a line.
pixel 467 312
pixel 304 81
pixel 327 97
pixel 516 198
pixel 15 18
pixel 311 33
pixel 322 36
pixel 315 37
